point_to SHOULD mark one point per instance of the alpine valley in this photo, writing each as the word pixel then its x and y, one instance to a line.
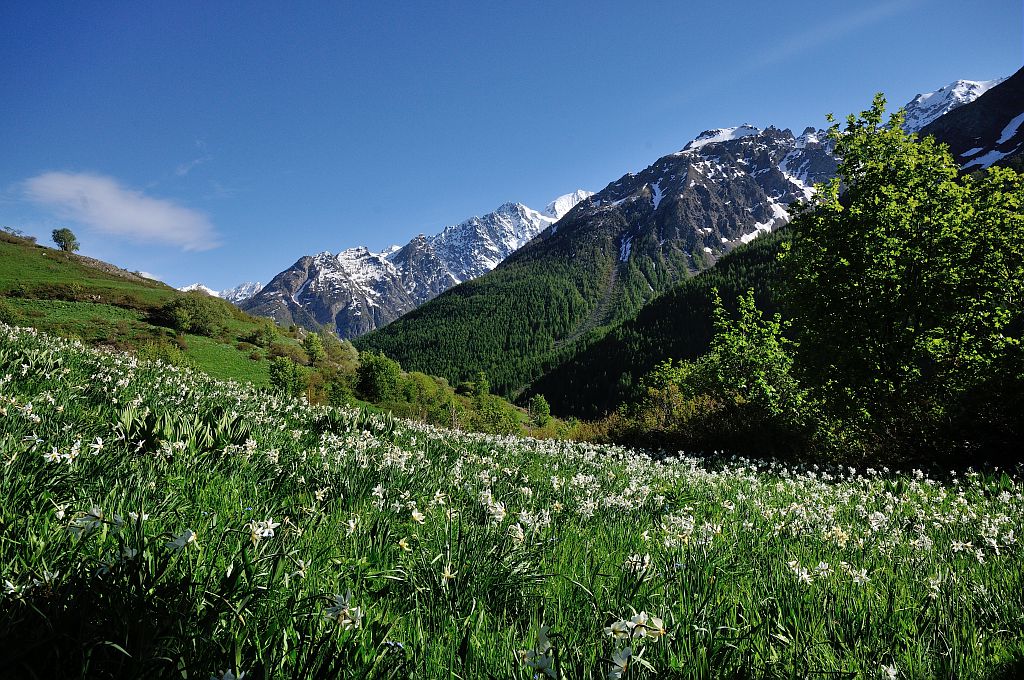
pixel 638 238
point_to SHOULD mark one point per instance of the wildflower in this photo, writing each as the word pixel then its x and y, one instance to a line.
pixel 87 522
pixel 53 456
pixel 447 574
pixel 97 445
pixel 638 564
pixel 860 577
pixel 403 543
pixel 622 630
pixel 351 524
pixel 181 540
pixel 517 533
pixel 541 657
pixel 261 530
pixel 228 675
pixel 934 583
pixel 889 671
pixel 621 663
pixel 348 616
pixel 418 516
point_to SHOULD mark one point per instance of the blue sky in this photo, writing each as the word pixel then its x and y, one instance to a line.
pixel 219 141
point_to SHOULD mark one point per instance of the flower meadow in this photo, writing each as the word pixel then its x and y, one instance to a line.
pixel 158 523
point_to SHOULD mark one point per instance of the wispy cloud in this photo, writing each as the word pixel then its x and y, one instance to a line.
pixel 106 206
pixel 186 168
pixel 799 43
pixel 826 32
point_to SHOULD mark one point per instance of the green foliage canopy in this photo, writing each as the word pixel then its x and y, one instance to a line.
pixel 65 239
pixel 903 280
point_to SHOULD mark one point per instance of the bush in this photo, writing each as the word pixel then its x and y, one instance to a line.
pixel 289 351
pixel 7 313
pixel 165 352
pixel 194 312
pixel 378 378
pixel 286 376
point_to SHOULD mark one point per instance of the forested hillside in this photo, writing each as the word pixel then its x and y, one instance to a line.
pixel 677 324
pixel 521 319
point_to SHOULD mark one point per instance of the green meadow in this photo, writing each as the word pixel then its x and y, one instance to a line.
pixel 157 522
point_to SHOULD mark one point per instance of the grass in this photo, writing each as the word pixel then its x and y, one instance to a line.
pixel 225 361
pixel 159 523
pixel 60 294
pixel 28 267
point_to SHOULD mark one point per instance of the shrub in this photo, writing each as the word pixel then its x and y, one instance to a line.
pixel 194 312
pixel 378 378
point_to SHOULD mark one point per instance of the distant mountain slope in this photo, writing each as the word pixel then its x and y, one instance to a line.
pixel 988 130
pixel 675 325
pixel 358 290
pixel 619 249
pixel 237 295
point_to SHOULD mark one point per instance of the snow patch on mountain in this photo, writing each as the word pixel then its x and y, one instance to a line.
pixel 721 135
pixel 924 108
pixel 563 204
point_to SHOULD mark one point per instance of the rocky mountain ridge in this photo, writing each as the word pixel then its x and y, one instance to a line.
pixel 358 290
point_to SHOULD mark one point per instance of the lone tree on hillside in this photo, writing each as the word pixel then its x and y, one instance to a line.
pixel 65 239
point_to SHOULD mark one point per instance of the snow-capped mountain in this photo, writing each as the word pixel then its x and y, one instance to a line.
pixel 924 108
pixel 201 288
pixel 357 290
pixel 724 188
pixel 988 130
pixel 236 295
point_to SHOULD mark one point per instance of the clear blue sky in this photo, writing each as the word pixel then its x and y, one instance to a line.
pixel 219 141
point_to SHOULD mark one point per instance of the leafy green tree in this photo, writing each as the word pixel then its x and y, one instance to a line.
pixel 378 378
pixel 481 386
pixel 740 395
pixel 904 279
pixel 314 347
pixel 540 410
pixel 286 376
pixel 65 239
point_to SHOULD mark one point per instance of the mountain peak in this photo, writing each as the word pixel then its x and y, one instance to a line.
pixel 924 108
pixel 566 202
pixel 722 135
pixel 239 293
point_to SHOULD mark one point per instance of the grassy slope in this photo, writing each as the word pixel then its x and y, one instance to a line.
pixel 63 294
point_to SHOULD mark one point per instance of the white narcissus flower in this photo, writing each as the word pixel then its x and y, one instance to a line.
pixel 348 616
pixel 185 538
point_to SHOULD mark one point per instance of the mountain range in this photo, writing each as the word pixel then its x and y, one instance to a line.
pixel 358 290
pixel 636 239
pixel 237 295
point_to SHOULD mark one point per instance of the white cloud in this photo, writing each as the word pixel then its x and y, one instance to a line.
pixel 104 205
